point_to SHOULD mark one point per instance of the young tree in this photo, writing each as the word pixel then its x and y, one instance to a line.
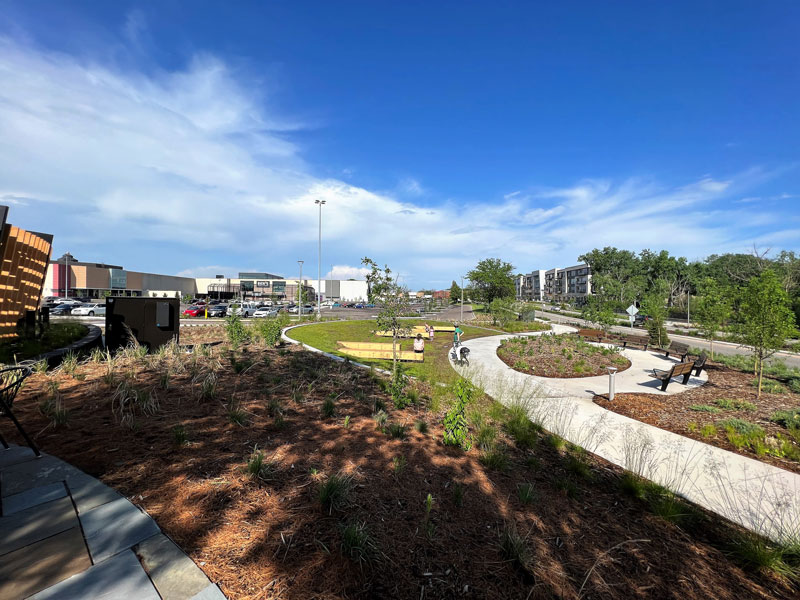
pixel 393 298
pixel 598 311
pixel 455 293
pixel 713 311
pixel 654 304
pixel 766 319
pixel 492 278
pixel 501 311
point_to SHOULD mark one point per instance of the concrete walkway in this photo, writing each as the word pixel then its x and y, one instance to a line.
pixel 758 496
pixel 64 534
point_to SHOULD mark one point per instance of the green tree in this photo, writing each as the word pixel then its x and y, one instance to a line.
pixel 713 311
pixel 654 304
pixel 598 311
pixel 455 293
pixel 501 312
pixel 492 278
pixel 766 319
pixel 393 298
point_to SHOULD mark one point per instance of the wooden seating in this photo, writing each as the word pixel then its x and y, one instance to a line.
pixel 700 363
pixel 635 341
pixel 591 335
pixel 677 349
pixel 379 351
pixel 682 368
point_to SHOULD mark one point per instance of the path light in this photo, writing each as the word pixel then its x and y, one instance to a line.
pixel 612 371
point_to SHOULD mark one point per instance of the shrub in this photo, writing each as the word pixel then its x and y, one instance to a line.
pixel 357 543
pixel 769 386
pixel 269 330
pixel 691 426
pixel 398 464
pixel 456 431
pixel 520 427
pixel 235 330
pixel 514 547
pixel 458 494
pixel 708 431
pixel 236 415
pixel 41 366
pixel 69 364
pixel 495 458
pixel 633 485
pixel 786 418
pixel 556 442
pixel 730 404
pixel 179 435
pixel 704 408
pixel 741 427
pixel 396 430
pixel 261 468
pixel 398 385
pixel 346 422
pixel 758 554
pixel 566 485
pixel 380 419
pixel 578 466
pixel 485 436
pixel 328 407
pixel 421 426
pixel 334 492
pixel 525 492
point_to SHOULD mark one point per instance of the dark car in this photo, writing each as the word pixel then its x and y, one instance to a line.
pixel 641 319
pixel 359 305
pixel 62 309
pixel 218 310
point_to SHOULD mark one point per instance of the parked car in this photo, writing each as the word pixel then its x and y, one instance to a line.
pixel 218 310
pixel 640 319
pixel 360 305
pixel 89 310
pixel 265 311
pixel 246 310
pixel 370 305
pixel 335 305
pixel 61 309
pixel 195 311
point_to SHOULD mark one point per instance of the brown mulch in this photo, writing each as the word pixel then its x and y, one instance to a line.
pixel 556 356
pixel 273 539
pixel 674 413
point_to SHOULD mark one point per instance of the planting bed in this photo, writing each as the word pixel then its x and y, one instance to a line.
pixel 426 520
pixel 559 356
pixel 705 412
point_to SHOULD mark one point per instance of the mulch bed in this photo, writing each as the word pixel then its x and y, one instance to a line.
pixel 274 540
pixel 674 412
pixel 559 356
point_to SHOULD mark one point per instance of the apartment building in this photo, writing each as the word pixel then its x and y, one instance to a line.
pixel 571 284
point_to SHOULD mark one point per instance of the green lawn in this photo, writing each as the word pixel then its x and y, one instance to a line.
pixel 56 335
pixel 435 368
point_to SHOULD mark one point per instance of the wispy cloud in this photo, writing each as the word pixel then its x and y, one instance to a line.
pixel 171 166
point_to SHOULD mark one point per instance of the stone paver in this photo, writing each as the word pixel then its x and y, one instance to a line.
pixel 32 497
pixel 756 495
pixel 114 527
pixel 57 520
pixel 173 573
pixel 118 578
pixel 36 523
pixel 43 563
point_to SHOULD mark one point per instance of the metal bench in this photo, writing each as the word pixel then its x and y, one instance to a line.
pixel 682 368
pixel 679 350
pixel 700 363
pixel 11 380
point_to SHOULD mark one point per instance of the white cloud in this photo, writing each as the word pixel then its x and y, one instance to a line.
pixel 346 272
pixel 169 165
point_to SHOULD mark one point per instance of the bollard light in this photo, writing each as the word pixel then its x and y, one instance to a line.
pixel 612 371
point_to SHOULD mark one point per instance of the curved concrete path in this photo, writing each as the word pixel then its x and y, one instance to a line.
pixel 64 534
pixel 758 496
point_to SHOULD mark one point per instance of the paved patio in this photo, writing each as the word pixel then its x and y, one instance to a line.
pixel 760 497
pixel 64 534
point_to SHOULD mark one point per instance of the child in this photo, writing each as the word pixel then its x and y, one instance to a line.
pixel 419 344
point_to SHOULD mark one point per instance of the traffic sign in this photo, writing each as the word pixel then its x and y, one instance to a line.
pixel 632 310
pixel 631 318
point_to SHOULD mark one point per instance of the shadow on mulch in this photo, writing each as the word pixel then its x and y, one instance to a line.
pixel 273 539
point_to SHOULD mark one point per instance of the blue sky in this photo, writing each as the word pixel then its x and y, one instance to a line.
pixel 193 137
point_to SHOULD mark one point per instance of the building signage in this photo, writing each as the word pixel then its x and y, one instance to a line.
pixel 262 284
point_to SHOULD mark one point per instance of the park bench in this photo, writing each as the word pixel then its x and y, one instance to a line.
pixel 635 341
pixel 682 368
pixel 677 349
pixel 591 335
pixel 699 364
pixel 379 350
pixel 10 381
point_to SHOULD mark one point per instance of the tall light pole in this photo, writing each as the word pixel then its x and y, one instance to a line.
pixel 461 320
pixel 319 261
pixel 300 288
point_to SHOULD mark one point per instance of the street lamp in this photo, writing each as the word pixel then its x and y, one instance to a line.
pixel 300 287
pixel 461 320
pixel 319 262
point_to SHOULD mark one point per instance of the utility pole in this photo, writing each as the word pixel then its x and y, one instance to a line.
pixel 319 262
pixel 461 320
pixel 300 289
